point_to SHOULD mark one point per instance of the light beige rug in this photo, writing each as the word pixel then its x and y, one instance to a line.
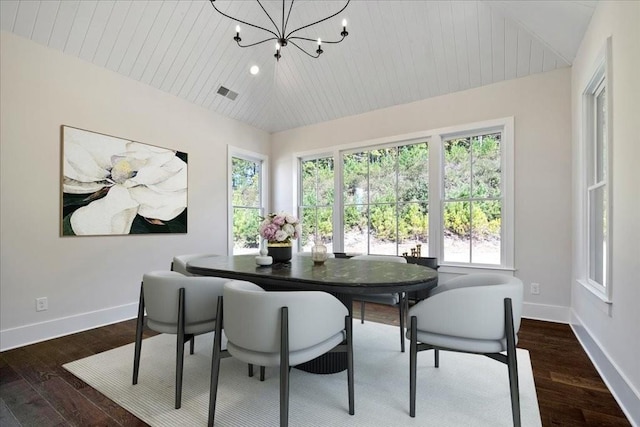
pixel 467 390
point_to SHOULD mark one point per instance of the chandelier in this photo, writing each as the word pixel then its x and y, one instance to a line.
pixel 281 36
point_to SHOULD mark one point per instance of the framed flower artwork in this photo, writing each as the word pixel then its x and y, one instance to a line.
pixel 115 186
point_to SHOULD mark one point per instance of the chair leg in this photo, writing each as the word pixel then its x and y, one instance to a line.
pixel 402 316
pixel 192 344
pixel 284 367
pixel 261 373
pixel 361 311
pixel 436 357
pixel 349 328
pixel 139 329
pixel 512 362
pixel 250 369
pixel 180 348
pixel 215 363
pixel 413 355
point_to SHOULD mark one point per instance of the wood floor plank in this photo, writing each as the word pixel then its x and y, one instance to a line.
pixel 73 406
pixel 7 419
pixel 28 407
pixel 595 418
pixel 579 381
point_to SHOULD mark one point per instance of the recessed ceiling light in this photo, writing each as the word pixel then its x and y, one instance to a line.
pixel 254 70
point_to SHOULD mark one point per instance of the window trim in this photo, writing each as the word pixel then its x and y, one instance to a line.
pixel 599 78
pixel 434 139
pixel 264 189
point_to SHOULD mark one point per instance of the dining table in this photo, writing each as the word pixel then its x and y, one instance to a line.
pixel 341 277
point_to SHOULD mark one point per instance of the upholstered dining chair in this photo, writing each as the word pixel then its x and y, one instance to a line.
pixel 177 304
pixel 476 313
pixel 394 299
pixel 179 263
pixel 280 329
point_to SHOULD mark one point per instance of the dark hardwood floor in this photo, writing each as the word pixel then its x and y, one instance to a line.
pixel 36 391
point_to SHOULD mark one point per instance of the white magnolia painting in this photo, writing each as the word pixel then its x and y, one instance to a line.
pixel 114 186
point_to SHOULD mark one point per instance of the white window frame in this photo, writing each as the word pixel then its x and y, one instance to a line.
pixel 434 139
pixel 599 79
pixel 264 186
pixel 505 127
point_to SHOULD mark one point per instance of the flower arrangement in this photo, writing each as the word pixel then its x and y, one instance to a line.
pixel 280 228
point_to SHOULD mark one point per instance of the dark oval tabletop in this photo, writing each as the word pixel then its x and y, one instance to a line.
pixel 338 275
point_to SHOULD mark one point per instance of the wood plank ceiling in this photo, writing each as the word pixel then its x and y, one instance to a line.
pixel 396 52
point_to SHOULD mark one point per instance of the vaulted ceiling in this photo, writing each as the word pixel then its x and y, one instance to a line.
pixel 397 51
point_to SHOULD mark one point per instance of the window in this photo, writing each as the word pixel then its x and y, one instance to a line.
pixel 472 202
pixel 247 200
pixel 596 171
pixel 385 199
pixel 448 190
pixel 316 202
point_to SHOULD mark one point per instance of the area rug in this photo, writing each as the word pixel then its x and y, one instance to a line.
pixel 466 390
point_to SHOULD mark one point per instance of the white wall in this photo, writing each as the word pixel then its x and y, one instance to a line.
pixel 92 280
pixel 614 329
pixel 541 107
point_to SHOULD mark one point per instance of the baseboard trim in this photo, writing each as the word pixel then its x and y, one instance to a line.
pixel 549 313
pixel 37 332
pixel 623 392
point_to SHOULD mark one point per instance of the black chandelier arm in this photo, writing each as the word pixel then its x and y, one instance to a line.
pixel 293 43
pixel 241 21
pixel 315 41
pixel 317 22
pixel 270 19
pixel 257 43
pixel 284 27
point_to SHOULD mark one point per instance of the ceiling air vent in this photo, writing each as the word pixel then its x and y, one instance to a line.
pixel 227 93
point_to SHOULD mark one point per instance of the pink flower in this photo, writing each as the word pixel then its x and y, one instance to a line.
pixel 280 227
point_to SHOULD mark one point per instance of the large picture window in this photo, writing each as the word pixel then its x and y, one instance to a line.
pixel 247 202
pixel 449 191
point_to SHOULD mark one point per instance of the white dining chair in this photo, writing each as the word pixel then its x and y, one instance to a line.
pixel 476 313
pixel 180 305
pixel 179 263
pixel 280 329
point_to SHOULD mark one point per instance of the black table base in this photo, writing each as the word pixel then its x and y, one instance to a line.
pixel 329 363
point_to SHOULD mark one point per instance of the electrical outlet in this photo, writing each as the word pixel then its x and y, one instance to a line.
pixel 535 288
pixel 42 304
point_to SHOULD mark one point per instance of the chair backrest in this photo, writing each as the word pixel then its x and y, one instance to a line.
pixel 179 263
pixel 161 293
pixel 252 317
pixel 471 306
pixel 389 258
